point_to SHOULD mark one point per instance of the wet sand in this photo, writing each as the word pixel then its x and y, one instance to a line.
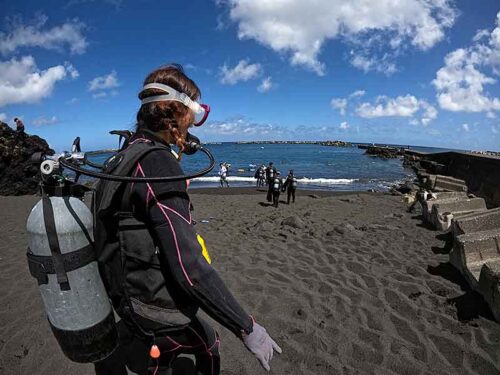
pixel 345 283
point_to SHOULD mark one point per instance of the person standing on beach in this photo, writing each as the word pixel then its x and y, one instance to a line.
pixel 223 175
pixel 262 175
pixel 276 186
pixel 270 173
pixel 19 126
pixel 290 185
pixel 155 267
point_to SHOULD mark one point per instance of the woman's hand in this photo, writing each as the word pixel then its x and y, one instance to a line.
pixel 261 345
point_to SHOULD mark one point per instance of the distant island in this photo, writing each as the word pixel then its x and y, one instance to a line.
pixel 321 143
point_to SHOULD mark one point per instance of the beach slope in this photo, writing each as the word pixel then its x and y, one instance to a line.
pixel 345 283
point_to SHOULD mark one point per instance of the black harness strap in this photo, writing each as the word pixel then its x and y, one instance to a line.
pixel 40 266
pixel 50 227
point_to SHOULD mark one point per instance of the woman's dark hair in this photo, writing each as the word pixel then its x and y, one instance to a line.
pixel 169 115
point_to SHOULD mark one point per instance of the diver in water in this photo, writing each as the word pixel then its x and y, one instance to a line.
pixel 156 268
pixel 276 186
pixel 270 173
pixel 290 186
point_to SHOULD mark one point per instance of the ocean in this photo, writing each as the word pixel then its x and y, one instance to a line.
pixel 315 166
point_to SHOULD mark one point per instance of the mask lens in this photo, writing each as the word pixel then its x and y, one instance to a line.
pixel 201 116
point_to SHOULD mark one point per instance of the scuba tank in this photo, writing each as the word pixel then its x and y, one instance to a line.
pixel 61 257
pixel 294 182
pixel 276 184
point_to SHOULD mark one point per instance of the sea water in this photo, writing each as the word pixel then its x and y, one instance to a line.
pixel 315 166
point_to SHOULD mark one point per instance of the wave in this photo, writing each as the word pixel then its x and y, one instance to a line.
pixel 304 180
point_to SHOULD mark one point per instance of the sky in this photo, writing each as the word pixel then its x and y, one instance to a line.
pixel 412 72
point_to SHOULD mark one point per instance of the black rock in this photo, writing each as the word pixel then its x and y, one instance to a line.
pixel 18 175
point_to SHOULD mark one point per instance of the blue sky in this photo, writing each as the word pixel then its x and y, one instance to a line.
pixel 414 72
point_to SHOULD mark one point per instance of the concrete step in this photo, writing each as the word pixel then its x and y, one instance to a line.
pixel 443 212
pixel 489 286
pixel 444 183
pixel 449 186
pixel 472 250
pixel 477 221
pixel 442 197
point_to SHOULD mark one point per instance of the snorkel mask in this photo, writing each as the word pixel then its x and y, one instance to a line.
pixel 201 111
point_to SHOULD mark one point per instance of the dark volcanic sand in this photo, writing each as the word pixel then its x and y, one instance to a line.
pixel 361 288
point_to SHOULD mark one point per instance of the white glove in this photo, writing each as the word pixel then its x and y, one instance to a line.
pixel 261 345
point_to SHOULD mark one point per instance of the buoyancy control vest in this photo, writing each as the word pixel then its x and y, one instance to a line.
pixel 127 254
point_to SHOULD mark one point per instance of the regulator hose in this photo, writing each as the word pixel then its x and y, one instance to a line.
pixel 111 177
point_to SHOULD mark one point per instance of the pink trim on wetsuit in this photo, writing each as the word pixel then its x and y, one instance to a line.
pixel 171 227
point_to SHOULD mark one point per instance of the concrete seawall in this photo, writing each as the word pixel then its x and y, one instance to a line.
pixel 481 173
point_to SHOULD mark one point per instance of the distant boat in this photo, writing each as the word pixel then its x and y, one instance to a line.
pixel 262 147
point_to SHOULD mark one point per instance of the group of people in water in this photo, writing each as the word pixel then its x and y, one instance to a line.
pixel 275 184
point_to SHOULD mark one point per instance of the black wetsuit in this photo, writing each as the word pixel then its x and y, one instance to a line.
pixel 188 278
pixel 270 174
pixel 290 185
pixel 276 186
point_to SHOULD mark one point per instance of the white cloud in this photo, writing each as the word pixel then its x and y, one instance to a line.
pixel 344 126
pixel 22 82
pixel 465 127
pixel 340 104
pixel 460 83
pixel 357 94
pixel 367 63
pixel 491 115
pixel 42 120
pixel 494 129
pixel 104 82
pixel 401 106
pixel 265 85
pixel 301 28
pixel 3 117
pixel 68 35
pixel 429 112
pixel 240 128
pixel 243 71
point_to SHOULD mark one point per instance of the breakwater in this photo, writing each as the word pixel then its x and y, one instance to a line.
pixel 481 173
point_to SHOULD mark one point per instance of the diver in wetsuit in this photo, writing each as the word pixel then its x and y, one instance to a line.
pixel 290 186
pixel 155 267
pixel 276 186
pixel 270 173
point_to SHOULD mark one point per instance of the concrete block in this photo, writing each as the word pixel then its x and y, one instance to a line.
pixel 448 196
pixel 471 251
pixel 476 221
pixel 444 183
pixel 447 183
pixel 489 286
pixel 441 212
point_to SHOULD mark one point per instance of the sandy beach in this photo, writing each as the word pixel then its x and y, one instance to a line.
pixel 345 283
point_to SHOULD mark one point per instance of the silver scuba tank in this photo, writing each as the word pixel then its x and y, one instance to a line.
pixel 61 257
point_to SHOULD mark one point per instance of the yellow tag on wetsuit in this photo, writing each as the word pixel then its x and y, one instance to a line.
pixel 204 250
